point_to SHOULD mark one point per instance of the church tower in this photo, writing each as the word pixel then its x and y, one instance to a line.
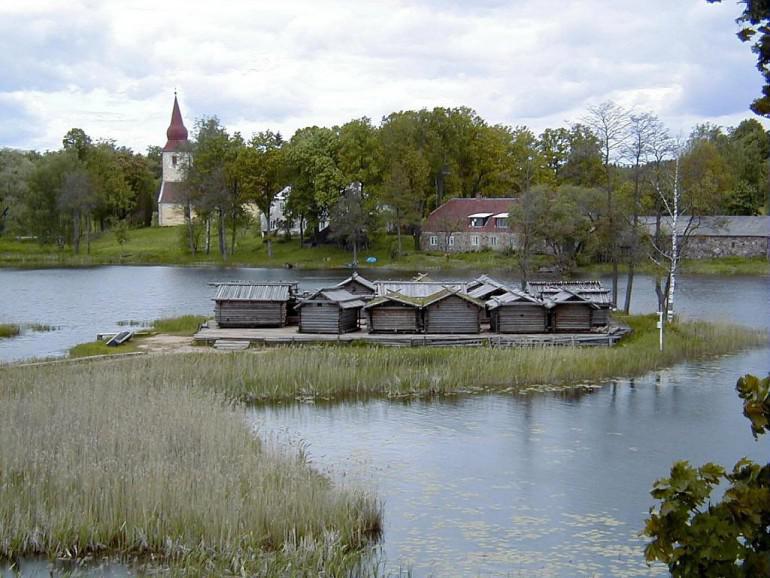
pixel 175 155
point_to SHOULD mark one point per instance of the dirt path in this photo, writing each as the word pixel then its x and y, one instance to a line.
pixel 167 344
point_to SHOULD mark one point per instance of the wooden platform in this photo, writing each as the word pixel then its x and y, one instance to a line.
pixel 290 335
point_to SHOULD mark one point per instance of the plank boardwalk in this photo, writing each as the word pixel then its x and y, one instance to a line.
pixel 290 335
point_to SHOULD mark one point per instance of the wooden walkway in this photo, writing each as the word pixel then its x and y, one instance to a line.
pixel 290 335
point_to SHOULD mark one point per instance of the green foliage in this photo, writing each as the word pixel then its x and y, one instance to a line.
pixel 696 536
pixel 9 330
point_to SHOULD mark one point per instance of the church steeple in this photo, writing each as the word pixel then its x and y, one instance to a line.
pixel 177 132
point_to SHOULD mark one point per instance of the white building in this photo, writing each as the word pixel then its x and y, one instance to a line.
pixel 279 222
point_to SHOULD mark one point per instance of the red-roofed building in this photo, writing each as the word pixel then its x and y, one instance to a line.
pixel 461 225
pixel 171 197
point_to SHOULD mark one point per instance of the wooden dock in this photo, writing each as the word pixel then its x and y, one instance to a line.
pixel 290 335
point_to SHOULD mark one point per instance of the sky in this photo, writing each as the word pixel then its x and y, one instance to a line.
pixel 111 67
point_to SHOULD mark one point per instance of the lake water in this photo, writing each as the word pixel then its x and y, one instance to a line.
pixel 494 485
pixel 84 302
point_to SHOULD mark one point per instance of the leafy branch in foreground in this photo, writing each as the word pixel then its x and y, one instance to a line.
pixel 731 537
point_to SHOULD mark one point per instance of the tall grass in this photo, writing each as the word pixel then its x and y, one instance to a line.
pixel 9 330
pixel 328 372
pixel 97 460
pixel 183 325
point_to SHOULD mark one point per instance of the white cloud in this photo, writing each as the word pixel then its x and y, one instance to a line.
pixel 111 66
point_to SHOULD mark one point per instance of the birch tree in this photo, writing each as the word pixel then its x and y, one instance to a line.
pixel 643 131
pixel 609 123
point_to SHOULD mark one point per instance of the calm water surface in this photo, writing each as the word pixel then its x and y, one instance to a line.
pixel 496 485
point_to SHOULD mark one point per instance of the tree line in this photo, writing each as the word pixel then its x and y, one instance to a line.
pixel 582 186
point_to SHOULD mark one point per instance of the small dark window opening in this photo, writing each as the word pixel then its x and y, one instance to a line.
pixel 173 160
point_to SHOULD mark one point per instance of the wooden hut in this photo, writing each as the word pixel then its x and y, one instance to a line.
pixel 593 291
pixel 329 311
pixel 244 304
pixel 393 313
pixel 358 285
pixel 569 312
pixel 450 311
pixel 517 312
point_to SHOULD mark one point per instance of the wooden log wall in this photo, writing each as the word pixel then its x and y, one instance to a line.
pixel 600 317
pixel 250 313
pixel 327 318
pixel 393 319
pixel 452 315
pixel 519 319
pixel 571 318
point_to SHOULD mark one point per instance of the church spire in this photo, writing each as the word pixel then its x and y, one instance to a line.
pixel 177 132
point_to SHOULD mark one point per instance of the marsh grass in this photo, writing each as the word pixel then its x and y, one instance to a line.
pixel 184 325
pixel 100 348
pixel 299 373
pixel 41 327
pixel 97 461
pixel 9 330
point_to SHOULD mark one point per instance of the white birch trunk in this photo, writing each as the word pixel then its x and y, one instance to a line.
pixel 674 244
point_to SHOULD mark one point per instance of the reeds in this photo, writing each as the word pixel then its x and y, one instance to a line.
pixel 9 330
pixel 328 372
pixel 184 325
pixel 97 460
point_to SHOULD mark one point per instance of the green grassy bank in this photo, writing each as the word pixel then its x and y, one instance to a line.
pixel 186 325
pixel 333 372
pixel 163 246
pixel 99 462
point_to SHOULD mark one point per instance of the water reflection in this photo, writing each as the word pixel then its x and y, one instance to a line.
pixel 552 483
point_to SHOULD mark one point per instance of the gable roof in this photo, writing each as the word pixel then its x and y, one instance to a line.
pixel 418 288
pixel 565 296
pixel 358 279
pixel 485 285
pixel 344 299
pixel 454 214
pixel 512 297
pixel 253 291
pixel 591 290
pixel 447 292
pixel 171 192
pixel 394 296
pixel 714 226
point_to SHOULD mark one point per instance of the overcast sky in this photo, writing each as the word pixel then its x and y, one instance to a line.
pixel 111 66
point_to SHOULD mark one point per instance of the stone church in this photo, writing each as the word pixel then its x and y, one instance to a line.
pixel 171 198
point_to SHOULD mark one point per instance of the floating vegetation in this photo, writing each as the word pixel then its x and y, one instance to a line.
pixel 9 330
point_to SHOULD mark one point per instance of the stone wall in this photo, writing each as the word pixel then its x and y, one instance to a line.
pixel 170 214
pixel 723 246
pixel 465 242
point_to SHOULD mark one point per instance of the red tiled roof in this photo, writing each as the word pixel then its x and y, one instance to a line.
pixel 453 215
pixel 176 132
pixel 171 192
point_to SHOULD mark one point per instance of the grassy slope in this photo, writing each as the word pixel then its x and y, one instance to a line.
pixel 98 461
pixel 163 246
